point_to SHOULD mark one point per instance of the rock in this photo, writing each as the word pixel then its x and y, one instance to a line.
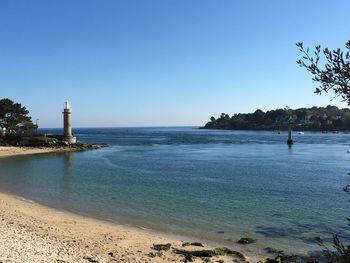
pixel 188 258
pixel 237 254
pixel 288 259
pixel 221 251
pixel 246 240
pixel 155 254
pixel 206 253
pixel 196 253
pixel 90 259
pixel 161 247
pixel 271 250
pixel 151 255
pixel 111 254
pixel 196 244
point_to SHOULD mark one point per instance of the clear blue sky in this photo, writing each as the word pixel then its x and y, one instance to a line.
pixel 162 62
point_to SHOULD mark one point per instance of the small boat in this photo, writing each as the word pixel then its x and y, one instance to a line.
pixel 300 132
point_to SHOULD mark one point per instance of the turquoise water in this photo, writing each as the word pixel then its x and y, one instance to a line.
pixel 213 185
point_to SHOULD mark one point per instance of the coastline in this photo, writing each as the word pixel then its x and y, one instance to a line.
pixel 31 232
pixel 9 151
pixel 36 233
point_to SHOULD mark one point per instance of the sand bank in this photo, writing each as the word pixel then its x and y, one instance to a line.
pixel 30 232
pixel 7 151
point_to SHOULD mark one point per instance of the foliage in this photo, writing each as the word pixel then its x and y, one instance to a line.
pixel 334 75
pixel 14 118
pixel 341 254
pixel 27 140
pixel 329 118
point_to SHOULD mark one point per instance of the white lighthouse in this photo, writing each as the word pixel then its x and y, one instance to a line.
pixel 67 124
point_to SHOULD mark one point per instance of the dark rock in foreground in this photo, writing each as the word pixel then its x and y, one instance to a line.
pixel 161 247
pixel 289 259
pixel 246 240
pixel 196 244
pixel 207 253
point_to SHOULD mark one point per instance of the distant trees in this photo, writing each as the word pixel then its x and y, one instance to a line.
pixel 14 118
pixel 334 75
pixel 315 118
pixel 258 116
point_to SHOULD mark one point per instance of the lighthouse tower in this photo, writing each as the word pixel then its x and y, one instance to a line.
pixel 67 124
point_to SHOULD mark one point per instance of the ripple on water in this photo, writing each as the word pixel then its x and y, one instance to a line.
pixel 214 184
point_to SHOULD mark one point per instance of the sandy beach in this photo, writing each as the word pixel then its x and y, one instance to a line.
pixel 7 151
pixel 30 232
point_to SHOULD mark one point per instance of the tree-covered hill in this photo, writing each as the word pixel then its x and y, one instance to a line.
pixel 329 118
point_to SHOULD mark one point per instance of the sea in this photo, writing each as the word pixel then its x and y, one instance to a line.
pixel 211 185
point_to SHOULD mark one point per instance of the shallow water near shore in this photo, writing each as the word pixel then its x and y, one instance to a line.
pixel 211 185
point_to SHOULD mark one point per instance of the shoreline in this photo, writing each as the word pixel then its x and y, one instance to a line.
pixel 9 151
pixel 32 232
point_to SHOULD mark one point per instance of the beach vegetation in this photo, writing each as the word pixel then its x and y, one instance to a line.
pixel 15 119
pixel 15 139
pixel 17 126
